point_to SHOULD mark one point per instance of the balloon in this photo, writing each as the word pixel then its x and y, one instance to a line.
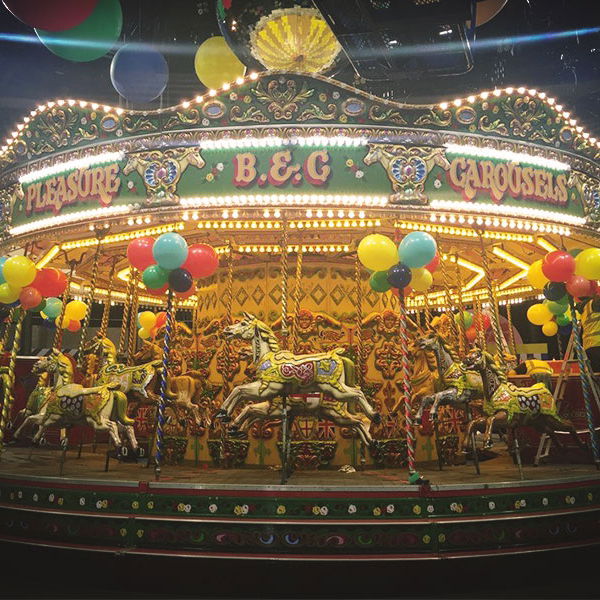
pixel 471 334
pixel 535 275
pixel 51 15
pixel 76 310
pixel 30 297
pixel 64 323
pixel 216 64
pixel 155 277
pixel 587 263
pixel 399 276
pixel 417 249
pixel 563 319
pixel 434 264
pixel 89 40
pixel 143 333
pixel 550 328
pixel 53 307
pixel 201 261
pixel 161 319
pixel 39 308
pixel 379 281
pixel 139 253
pixel 50 282
pixel 467 317
pixel 538 314
pixel 19 271
pixel 580 287
pixel 147 320
pixel 74 325
pixel 558 265
pixel 180 280
pixel 187 294
pixel 555 291
pixel 556 308
pixel 153 332
pixel 421 279
pixel 139 72
pixel 158 291
pixel 2 261
pixel 575 252
pixel 377 252
pixel 8 294
pixel 170 251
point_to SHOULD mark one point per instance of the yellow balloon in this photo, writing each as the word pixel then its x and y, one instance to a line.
pixel 216 64
pixel 19 271
pixel 65 322
pixel 550 328
pixel 535 276
pixel 538 314
pixel 143 333
pixel 377 252
pixel 421 279
pixel 9 294
pixel 75 310
pixel 147 320
pixel 587 263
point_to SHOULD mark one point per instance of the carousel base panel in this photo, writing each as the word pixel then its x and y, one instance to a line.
pixel 196 510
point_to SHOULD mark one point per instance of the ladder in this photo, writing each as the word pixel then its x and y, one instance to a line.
pixel 545 442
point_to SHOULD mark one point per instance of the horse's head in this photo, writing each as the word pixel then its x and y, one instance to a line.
pixel 373 155
pixel 475 360
pixel 47 364
pixel 428 341
pixel 94 344
pixel 244 330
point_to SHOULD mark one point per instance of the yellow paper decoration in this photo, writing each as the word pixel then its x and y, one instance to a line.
pixel 294 39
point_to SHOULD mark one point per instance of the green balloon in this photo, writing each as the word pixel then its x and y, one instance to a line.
pixel 563 320
pixel 379 282
pixel 91 39
pixel 155 277
pixel 575 252
pixel 467 317
pixel 53 307
pixel 556 308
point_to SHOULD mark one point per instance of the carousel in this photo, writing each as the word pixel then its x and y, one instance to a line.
pixel 278 321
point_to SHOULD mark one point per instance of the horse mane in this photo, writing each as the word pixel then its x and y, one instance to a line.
pixel 493 365
pixel 448 348
pixel 263 328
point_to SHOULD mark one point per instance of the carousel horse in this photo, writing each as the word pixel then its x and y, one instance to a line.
pixel 283 374
pixel 37 398
pixel 460 385
pixel 102 407
pixel 510 406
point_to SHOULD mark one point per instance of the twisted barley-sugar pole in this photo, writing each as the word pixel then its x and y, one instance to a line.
pixel 6 335
pixel 584 376
pixel 297 295
pixel 58 336
pixel 10 395
pixel 511 332
pixel 133 311
pixel 90 305
pixel 427 310
pixel 160 422
pixel 359 319
pixel 448 294
pixel 463 342
pixel 491 295
pixel 479 322
pixel 284 286
pixel 106 310
pixel 123 338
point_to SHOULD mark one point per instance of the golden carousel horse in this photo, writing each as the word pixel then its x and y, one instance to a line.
pixel 511 406
pixel 283 374
pixel 103 407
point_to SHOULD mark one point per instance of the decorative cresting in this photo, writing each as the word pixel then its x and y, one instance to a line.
pixel 272 98
pixel 407 169
pixel 510 406
pixel 282 373
pixel 294 39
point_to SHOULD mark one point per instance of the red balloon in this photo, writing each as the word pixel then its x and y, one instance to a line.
pixel 558 266
pixel 139 253
pixel 580 287
pixel 471 333
pixel 202 260
pixel 187 294
pixel 160 291
pixel 61 283
pixel 434 264
pixel 74 326
pixel 161 318
pixel 396 291
pixel 50 282
pixel 30 297
pixel 485 321
pixel 51 15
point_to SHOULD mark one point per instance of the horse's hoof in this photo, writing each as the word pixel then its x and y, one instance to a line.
pixel 376 418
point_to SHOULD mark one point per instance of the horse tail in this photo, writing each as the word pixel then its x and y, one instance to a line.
pixel 120 400
pixel 349 371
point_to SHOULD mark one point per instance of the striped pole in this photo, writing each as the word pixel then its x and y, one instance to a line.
pixel 163 387
pixel 584 374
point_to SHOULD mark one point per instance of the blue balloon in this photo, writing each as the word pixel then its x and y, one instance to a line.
pixel 2 261
pixel 417 249
pixel 170 251
pixel 399 276
pixel 139 72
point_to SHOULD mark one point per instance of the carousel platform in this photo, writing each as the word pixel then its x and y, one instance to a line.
pixel 196 510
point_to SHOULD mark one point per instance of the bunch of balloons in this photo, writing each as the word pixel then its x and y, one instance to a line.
pixel 168 262
pixel 150 323
pixel 398 267
pixel 562 274
pixel 77 30
pixel 472 323
pixel 23 284
pixel 75 311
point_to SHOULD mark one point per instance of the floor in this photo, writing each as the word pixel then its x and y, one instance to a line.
pixel 46 462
